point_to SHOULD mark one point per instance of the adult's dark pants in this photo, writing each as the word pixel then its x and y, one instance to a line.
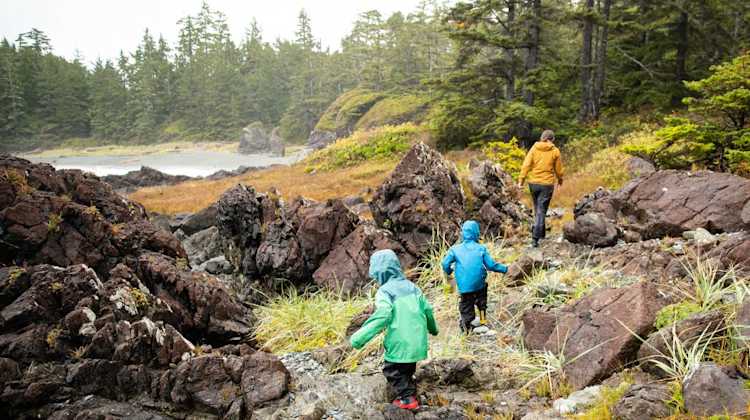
pixel 467 304
pixel 401 378
pixel 542 195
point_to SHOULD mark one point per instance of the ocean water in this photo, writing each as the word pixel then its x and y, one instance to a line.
pixel 194 163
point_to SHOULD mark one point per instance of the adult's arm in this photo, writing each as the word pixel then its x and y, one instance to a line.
pixel 526 167
pixel 559 169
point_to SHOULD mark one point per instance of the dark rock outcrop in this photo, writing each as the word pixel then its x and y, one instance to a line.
pixel 346 267
pixel 144 177
pixel 496 203
pixel 98 310
pixel 597 333
pixel 421 198
pixel 668 203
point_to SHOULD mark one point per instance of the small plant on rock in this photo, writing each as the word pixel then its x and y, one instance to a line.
pixel 15 273
pixel 181 264
pixel 93 212
pixel 53 223
pixel 78 353
pixel 52 336
pixel 18 180
pixel 140 298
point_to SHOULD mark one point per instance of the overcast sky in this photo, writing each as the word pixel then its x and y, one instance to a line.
pixel 101 28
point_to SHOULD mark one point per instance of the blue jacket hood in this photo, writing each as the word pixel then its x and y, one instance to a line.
pixel 385 266
pixel 470 231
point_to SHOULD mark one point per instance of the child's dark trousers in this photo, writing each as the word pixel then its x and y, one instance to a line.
pixel 400 376
pixel 467 304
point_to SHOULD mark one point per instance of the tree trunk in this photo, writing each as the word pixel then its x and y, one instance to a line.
pixel 681 59
pixel 510 87
pixel 601 61
pixel 532 59
pixel 587 106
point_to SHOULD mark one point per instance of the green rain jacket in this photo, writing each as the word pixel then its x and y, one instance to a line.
pixel 400 309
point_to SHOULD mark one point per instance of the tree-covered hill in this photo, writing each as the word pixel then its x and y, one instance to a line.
pixel 489 69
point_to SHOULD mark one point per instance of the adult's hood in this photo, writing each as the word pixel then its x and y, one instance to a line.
pixel 385 266
pixel 544 146
pixel 470 230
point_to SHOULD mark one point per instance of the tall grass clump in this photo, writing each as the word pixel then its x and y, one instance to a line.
pixel 300 322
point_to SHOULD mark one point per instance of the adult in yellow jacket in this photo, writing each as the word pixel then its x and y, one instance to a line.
pixel 542 166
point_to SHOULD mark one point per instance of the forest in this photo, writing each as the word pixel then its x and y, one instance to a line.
pixel 490 69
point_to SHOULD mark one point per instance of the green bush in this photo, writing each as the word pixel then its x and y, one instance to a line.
pixel 507 154
pixel 716 133
pixel 388 142
pixel 675 312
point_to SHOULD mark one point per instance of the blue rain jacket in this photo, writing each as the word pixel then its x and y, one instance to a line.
pixel 471 260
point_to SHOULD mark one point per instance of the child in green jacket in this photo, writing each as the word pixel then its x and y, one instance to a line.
pixel 405 314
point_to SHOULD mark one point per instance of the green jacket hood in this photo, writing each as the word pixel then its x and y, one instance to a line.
pixel 470 230
pixel 385 266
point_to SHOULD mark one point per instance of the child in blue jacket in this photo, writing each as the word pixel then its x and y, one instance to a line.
pixel 471 260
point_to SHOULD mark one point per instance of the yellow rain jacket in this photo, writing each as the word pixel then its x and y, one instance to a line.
pixel 542 164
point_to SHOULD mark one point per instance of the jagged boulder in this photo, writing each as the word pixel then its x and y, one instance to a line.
pixel 422 196
pixel 599 333
pixel 203 246
pixel 346 267
pixel 321 228
pixel 714 390
pixel 144 177
pixel 496 202
pixel 668 203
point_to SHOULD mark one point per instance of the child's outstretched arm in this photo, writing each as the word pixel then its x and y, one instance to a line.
pixel 491 265
pixel 448 261
pixel 375 323
pixel 432 327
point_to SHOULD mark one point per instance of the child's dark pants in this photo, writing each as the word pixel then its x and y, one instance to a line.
pixel 466 306
pixel 401 378
pixel 542 195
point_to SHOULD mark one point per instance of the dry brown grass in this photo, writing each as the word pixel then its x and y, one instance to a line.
pixel 290 181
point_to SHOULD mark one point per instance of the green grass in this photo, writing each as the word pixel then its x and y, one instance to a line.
pixel 394 110
pixel 602 409
pixel 301 322
pixel 347 109
pixel 379 144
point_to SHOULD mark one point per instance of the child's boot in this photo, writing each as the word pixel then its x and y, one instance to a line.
pixel 482 318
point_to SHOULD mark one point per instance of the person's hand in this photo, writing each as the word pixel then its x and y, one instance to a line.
pixel 520 184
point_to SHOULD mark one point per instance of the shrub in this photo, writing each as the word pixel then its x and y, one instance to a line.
pixel 384 143
pixel 715 135
pixel 507 154
pixel 675 312
pixel 53 222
